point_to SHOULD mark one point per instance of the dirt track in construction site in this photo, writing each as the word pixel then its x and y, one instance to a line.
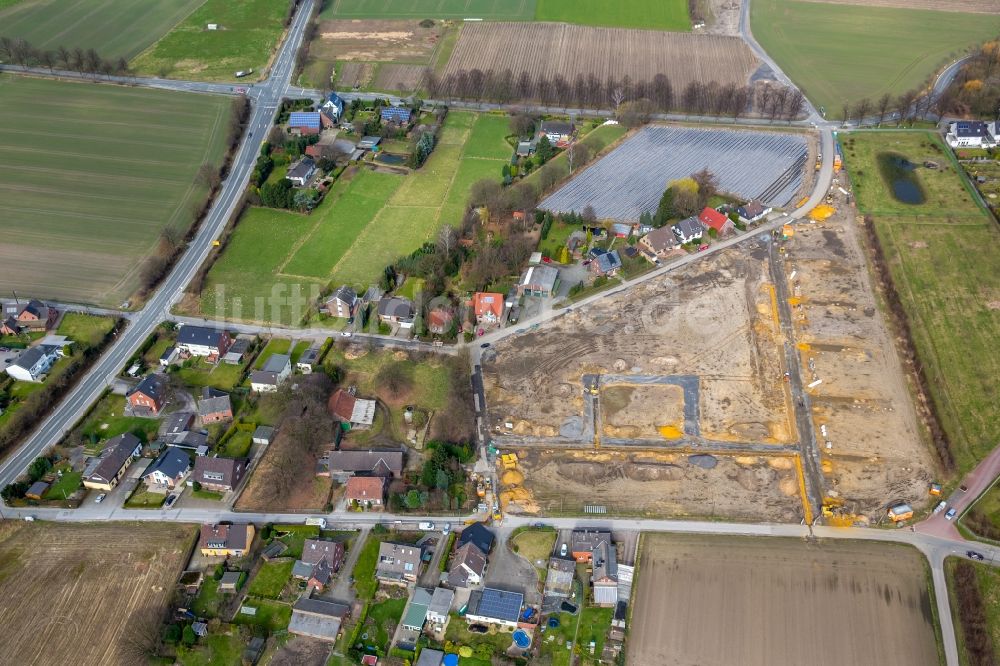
pixel 772 602
pixel 876 453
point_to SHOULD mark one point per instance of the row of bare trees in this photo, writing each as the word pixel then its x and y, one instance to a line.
pixel 89 61
pixel 589 91
pixel 909 106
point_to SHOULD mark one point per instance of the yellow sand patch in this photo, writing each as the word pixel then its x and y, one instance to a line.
pixel 787 487
pixel 779 463
pixel 803 346
pixel 746 460
pixel 820 213
pixel 795 300
pixel 670 432
pixel 512 478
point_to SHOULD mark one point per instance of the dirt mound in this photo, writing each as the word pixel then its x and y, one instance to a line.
pixel 586 472
pixel 754 479
pixel 779 463
pixel 654 472
pixel 788 487
pixel 512 478
pixel 703 461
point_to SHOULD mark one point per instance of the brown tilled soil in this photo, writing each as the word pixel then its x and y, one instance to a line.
pixel 776 602
pixel 638 411
pixel 877 451
pixel 972 6
pixel 376 41
pixel 86 594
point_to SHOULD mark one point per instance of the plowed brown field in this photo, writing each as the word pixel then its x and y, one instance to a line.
pixel 544 49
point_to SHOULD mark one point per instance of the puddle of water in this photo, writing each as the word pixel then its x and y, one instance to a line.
pixel 898 172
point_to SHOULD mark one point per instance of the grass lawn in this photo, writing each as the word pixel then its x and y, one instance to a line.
pixel 594 625
pixel 197 372
pixel 271 579
pixel 271 615
pixel 238 445
pixel 942 258
pixel 505 10
pixel 559 233
pixel 274 346
pixel 837 54
pixel 489 138
pixel 364 569
pixel 92 182
pixel 115 28
pixel 649 14
pixel 553 641
pixel 142 499
pixel 86 330
pixel 597 140
pixel 248 34
pixel 206 495
pixel 988 579
pixel 458 633
pixel 106 421
pixel 294 536
pixel 64 486
pixel 382 620
pixel 535 545
pixel 206 603
pixel 216 649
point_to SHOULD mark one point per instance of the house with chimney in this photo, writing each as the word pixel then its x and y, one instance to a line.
pixel 148 397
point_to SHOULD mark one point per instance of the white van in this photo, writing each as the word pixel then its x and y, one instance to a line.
pixel 321 522
pixel 426 526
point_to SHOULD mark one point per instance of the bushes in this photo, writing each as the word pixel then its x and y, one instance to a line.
pixel 972 613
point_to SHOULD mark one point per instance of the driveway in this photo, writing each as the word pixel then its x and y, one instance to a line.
pixel 509 571
pixel 342 591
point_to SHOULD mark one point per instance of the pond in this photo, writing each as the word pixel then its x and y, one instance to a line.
pixel 900 175
pixel 391 159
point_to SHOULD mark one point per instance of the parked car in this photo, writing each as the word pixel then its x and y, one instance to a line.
pixel 974 555
pixel 951 513
pixel 100 498
pixel 940 507
pixel 563 550
pixel 346 334
pixel 170 501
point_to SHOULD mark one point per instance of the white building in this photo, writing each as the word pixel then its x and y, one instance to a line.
pixel 275 371
pixel 973 134
pixel 34 363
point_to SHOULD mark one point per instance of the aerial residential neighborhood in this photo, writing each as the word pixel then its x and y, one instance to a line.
pixel 462 333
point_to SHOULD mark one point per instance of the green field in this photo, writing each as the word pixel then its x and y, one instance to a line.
pixel 367 221
pixel 114 28
pixel 943 260
pixel 92 175
pixel 649 14
pixel 837 53
pixel 505 10
pixel 247 36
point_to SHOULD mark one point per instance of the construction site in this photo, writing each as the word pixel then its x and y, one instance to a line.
pixel 760 382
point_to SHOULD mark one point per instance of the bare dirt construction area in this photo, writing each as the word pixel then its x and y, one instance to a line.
pixel 642 411
pixel 769 602
pixel 302 651
pixel 87 594
pixel 970 6
pixel 376 41
pixel 877 454
pixel 647 483
pixel 541 49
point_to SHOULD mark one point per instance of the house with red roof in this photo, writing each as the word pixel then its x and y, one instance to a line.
pixel 439 320
pixel 367 491
pixel 713 219
pixel 488 307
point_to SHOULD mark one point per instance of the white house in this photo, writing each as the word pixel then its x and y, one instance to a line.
pixel 275 371
pixel 202 341
pixel 973 134
pixel 497 607
pixel 300 172
pixel 34 363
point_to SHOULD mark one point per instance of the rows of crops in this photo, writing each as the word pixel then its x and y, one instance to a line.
pixel 544 49
pixel 631 178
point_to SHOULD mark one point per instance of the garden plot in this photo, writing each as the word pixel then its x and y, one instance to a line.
pixel 630 180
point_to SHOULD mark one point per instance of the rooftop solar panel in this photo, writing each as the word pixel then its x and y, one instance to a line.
pixel 500 604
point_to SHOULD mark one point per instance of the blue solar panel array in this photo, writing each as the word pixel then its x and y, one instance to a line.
pixel 500 604
pixel 308 119
pixel 395 114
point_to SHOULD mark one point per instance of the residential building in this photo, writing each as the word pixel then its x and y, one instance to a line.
pixel 429 657
pixel 214 406
pixel 488 308
pixel 320 561
pixel 148 397
pixel 973 134
pixel 201 341
pixel 316 618
pixel 263 435
pixel 468 566
pixel 226 540
pixel 36 316
pixel 169 356
pixel 343 303
pixel 539 281
pixel 526 148
pixel 308 360
pixel 604 574
pixel 302 171
pixel 440 320
pixel 688 230
pixel 333 107
pixel 713 219
pixel 659 243
pixel 9 326
pixel 478 534
pixel 416 610
pixel 605 263
pixel 173 426
pixel 395 114
pixel 347 408
pixel 398 563
pixel 440 606
pixel 369 142
pixel 276 370
pixel 304 123
pixel 559 578
pixel 343 464
pixel 496 607
pixel 168 470
pixel 230 581
pixel 583 543
pixel 219 474
pixel 234 355
pixel 396 310
pixel 752 211
pixel 558 132
pixel 105 471
pixel 34 363
pixel 366 491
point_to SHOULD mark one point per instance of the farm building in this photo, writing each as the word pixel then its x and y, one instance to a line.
pixel 315 618
pixel 304 123
pixel 629 180
pixel 347 408
pixel 539 281
pixel 395 114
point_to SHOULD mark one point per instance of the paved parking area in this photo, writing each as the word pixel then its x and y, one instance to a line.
pixel 509 571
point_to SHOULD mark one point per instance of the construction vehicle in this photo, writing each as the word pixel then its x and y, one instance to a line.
pixel 900 512
pixel 935 489
pixel 216 243
pixel 838 160
pixel 480 489
pixel 508 460
pixel 787 231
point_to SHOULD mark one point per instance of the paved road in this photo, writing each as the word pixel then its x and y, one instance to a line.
pixel 146 82
pixel 90 387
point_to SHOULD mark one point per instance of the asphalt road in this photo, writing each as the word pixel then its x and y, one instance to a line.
pixel 268 95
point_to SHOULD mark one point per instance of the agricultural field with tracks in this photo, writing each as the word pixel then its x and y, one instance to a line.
pixel 630 179
pixel 108 582
pixel 368 220
pixel 94 174
pixel 970 6
pixel 646 14
pixel 248 34
pixel 820 598
pixel 115 28
pixel 942 258
pixel 506 10
pixel 838 53
pixel 569 50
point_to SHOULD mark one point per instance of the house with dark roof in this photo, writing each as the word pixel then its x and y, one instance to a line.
pixel 168 470
pixel 36 490
pixel 300 172
pixel 333 107
pixel 713 219
pixel 605 262
pixel 343 464
pixel 468 566
pixel 496 607
pixel 304 123
pixel 107 470
pixel 202 341
pixel 263 435
pixel 398 562
pixel 222 540
pixel 604 574
pixel 688 230
pixel 973 134
pixel 219 474
pixel 342 303
pixel 37 316
pixel 347 408
pixel 320 561
pixel 367 492
pixel 33 364
pixel 752 211
pixel 583 542
pixel 440 605
pixel 234 355
pixel 276 370
pixel 318 619
pixel 148 397
pixel 541 281
pixel 396 310
pixel 214 406
pixel 173 426
pixel 478 534
pixel 395 114
pixel 308 360
pixel 557 131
